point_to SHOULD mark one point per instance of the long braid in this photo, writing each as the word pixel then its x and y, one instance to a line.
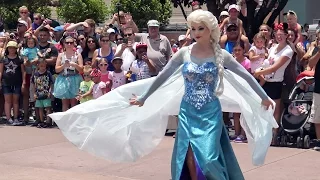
pixel 219 62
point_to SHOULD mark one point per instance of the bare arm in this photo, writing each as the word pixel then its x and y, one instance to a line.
pixel 273 68
pixel 58 66
pixel 94 59
pixel 74 26
pixel 314 59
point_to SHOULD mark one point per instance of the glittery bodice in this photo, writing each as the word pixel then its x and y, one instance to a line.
pixel 200 83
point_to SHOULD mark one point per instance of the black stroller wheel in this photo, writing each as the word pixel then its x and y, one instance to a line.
pixel 306 142
pixel 299 142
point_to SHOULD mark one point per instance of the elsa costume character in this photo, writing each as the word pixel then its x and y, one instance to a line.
pixel 111 128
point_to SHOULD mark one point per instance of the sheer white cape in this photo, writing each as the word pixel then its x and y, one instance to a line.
pixel 109 127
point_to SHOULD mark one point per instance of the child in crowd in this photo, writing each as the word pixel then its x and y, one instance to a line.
pixel 99 88
pixel 238 53
pixel 12 76
pixel 103 66
pixel 257 55
pixel 118 77
pixel 24 15
pixel 142 67
pixel 234 11
pixel 85 86
pixel 42 81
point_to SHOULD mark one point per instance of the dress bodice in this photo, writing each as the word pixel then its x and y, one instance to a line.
pixel 200 83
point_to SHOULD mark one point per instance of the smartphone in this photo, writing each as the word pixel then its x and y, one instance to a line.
pixel 125 40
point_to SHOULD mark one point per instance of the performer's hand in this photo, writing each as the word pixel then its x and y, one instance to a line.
pixel 134 101
pixel 267 103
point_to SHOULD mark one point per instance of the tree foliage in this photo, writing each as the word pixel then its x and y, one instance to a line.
pixel 144 10
pixel 253 19
pixel 80 10
pixel 9 9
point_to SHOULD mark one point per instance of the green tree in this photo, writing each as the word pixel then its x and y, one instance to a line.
pixel 80 10
pixel 9 9
pixel 254 17
pixel 144 10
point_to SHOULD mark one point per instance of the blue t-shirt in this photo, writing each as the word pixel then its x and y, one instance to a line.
pixel 35 26
pixel 229 46
pixel 31 54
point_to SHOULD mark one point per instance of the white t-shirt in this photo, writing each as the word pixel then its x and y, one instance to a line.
pixel 118 79
pixel 278 75
pixel 97 90
pixel 127 56
pixel 257 64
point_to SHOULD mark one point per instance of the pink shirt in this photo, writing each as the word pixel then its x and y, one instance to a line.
pixel 97 90
pixel 118 79
pixel 105 78
pixel 246 63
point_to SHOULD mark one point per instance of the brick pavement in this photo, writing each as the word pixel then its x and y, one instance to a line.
pixel 44 154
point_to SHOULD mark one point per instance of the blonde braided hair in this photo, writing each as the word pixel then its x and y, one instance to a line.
pixel 211 22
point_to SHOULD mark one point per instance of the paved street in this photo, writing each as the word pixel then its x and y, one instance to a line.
pixel 44 154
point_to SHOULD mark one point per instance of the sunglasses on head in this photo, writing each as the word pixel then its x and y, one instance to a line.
pixel 127 35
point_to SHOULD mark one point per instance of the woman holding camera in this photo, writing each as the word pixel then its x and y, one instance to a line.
pixel 69 65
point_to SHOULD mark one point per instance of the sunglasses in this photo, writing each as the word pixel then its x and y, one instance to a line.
pixel 86 75
pixel 24 12
pixel 104 40
pixel 232 30
pixel 35 19
pixel 91 41
pixel 120 39
pixel 127 35
pixel 103 65
pixel 69 43
pixel 81 39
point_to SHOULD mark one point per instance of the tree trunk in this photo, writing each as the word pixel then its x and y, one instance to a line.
pixel 182 10
pixel 277 11
pixel 252 26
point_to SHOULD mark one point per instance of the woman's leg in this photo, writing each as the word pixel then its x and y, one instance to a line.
pixel 15 102
pixel 1 104
pixel 26 96
pixel 277 112
pixel 191 164
pixel 65 104
pixel 237 126
pixel 73 102
pixel 8 105
pixel 41 115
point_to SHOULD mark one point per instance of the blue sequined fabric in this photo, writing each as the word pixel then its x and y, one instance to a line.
pixel 200 83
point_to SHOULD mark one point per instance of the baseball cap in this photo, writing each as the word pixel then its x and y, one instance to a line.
pixel 58 29
pixel 117 58
pixel 153 23
pixel 23 22
pixel 111 30
pixel 224 13
pixel 181 37
pixel 141 45
pixel 12 44
pixel 233 6
pixel 231 25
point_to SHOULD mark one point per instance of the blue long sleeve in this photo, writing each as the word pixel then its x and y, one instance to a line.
pixel 234 66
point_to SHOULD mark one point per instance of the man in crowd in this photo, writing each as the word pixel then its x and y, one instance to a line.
pixel 126 50
pixel 232 38
pixel 159 48
pixel 89 26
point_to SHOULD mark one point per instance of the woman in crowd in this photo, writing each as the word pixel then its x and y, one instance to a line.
pixel 267 32
pixel 279 58
pixel 104 52
pixel 69 64
pixel 91 45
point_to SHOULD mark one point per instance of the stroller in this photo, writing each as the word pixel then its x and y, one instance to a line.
pixel 294 125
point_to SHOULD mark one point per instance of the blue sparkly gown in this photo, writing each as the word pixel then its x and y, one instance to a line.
pixel 201 126
pixel 110 128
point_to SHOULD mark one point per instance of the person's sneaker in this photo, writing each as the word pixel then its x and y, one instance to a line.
pixel 35 124
pixel 10 121
pixel 241 139
pixel 47 125
pixel 16 122
pixel 317 146
pixel 233 137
